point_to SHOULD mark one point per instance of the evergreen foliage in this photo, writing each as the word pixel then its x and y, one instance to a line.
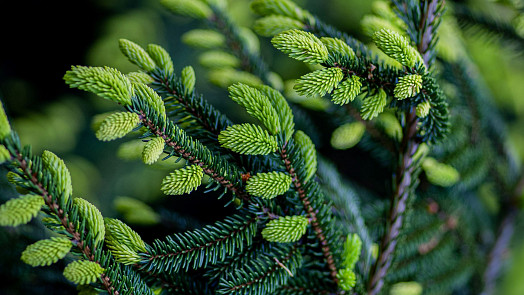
pixel 346 91
pixel 46 252
pixel 206 39
pixel 196 9
pixel 83 272
pixel 397 47
pixel 248 139
pixel 347 135
pixel 95 221
pixel 60 172
pixel 301 45
pixel 358 177
pixel 20 210
pixel 153 149
pixel 268 185
pixel 5 127
pixel 308 151
pixel 286 229
pixel 117 126
pixel 319 82
pixel 257 105
pixel 374 105
pixel 408 86
pixel 125 243
pixel 104 82
pixel 188 79
pixel 183 181
pixel 137 55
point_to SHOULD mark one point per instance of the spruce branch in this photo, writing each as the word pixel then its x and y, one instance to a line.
pixel 262 279
pixel 168 134
pixel 204 120
pixel 25 164
pixel 311 214
pixel 403 182
pixel 252 62
pixel 198 248
pixel 288 233
pixel 259 248
pixel 404 179
pixel 175 97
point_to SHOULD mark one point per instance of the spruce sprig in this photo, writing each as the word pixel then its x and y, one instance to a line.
pixel 198 248
pixel 78 221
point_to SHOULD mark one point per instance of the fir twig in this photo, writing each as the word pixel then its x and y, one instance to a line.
pixel 62 216
pixel 188 253
pixel 192 107
pixel 231 287
pixel 403 179
pixel 312 215
pixel 187 155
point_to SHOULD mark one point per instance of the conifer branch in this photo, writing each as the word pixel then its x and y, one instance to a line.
pixel 254 64
pixel 299 227
pixel 62 216
pixel 228 266
pixel 206 115
pixel 200 248
pixel 370 68
pixel 232 287
pixel 191 158
pixel 312 215
pixel 212 243
pixel 181 104
pixel 403 180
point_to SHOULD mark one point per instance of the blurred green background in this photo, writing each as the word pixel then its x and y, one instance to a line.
pixel 44 38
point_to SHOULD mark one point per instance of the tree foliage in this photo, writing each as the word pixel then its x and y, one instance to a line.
pixel 296 216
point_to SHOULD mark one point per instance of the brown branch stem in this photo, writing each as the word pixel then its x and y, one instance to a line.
pixel 402 183
pixel 312 215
